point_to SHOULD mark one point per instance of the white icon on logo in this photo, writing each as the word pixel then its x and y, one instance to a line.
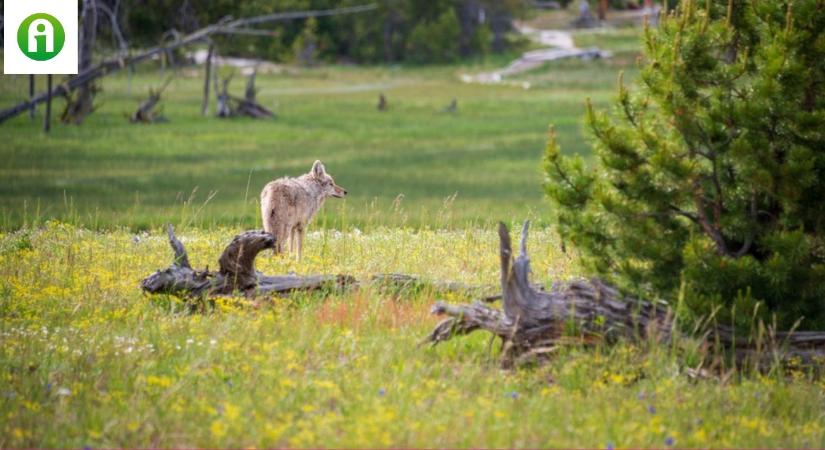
pixel 41 27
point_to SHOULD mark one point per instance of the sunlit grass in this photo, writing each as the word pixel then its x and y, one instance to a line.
pixel 107 172
pixel 87 360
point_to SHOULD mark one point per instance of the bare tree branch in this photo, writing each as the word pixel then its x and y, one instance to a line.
pixel 115 64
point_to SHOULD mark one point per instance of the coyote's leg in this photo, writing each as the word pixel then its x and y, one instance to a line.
pixel 281 236
pixel 300 238
pixel 271 227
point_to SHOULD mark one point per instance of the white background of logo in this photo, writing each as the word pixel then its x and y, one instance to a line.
pixel 15 12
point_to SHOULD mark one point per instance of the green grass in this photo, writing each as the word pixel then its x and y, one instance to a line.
pixel 86 360
pixel 108 173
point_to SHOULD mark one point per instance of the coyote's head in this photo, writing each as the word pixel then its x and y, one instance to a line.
pixel 328 186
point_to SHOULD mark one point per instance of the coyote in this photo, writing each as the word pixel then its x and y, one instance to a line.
pixel 288 205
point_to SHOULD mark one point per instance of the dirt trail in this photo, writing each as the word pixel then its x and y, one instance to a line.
pixel 559 44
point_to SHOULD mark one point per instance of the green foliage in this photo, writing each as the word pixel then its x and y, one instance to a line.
pixel 422 31
pixel 435 41
pixel 712 171
pixel 306 45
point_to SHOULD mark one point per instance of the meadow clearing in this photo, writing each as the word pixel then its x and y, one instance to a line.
pixel 86 360
pixel 109 173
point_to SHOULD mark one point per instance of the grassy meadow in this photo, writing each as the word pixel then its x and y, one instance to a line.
pixel 87 360
pixel 414 158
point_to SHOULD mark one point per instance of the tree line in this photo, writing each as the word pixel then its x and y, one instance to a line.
pixel 418 31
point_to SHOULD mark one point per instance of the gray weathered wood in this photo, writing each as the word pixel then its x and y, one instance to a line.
pixel 113 65
pixel 532 322
pixel 146 110
pixel 31 95
pixel 236 274
pixel 207 76
pixel 232 106
pixel 47 121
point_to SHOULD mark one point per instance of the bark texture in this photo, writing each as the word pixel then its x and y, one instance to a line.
pixel 532 322
pixel 236 275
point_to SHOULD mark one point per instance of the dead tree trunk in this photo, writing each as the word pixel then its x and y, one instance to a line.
pixel 47 120
pixel 532 322
pixel 209 53
pixel 31 96
pixel 81 103
pixel 227 25
pixel 237 273
pixel 249 106
pixel 146 111
pixel 602 11
pixel 251 91
pixel 230 106
pixel 224 108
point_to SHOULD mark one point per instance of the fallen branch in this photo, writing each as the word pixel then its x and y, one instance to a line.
pixel 237 274
pixel 145 112
pixel 231 106
pixel 532 322
pixel 113 65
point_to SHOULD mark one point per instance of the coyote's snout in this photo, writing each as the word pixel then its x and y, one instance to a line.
pixel 288 205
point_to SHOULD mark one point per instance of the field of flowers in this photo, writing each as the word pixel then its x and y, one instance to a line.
pixel 86 360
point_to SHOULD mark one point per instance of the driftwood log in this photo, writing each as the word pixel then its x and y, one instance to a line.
pixel 533 322
pixel 232 106
pixel 237 274
pixel 224 108
pixel 79 104
pixel 249 106
pixel 146 110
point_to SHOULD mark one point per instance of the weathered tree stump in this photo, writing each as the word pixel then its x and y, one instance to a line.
pixel 231 106
pixel 146 110
pixel 237 274
pixel 533 322
pixel 79 104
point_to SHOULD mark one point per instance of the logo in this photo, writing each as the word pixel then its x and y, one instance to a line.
pixel 41 37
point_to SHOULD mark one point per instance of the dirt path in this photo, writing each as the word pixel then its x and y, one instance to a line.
pixel 559 44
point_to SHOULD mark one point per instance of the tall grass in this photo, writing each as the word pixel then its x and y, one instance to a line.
pixel 86 360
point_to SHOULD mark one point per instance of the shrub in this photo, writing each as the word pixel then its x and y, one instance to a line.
pixel 711 172
pixel 435 41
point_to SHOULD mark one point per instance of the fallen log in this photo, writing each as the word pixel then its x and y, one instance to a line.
pixel 532 322
pixel 146 110
pixel 79 104
pixel 231 106
pixel 251 108
pixel 223 109
pixel 236 274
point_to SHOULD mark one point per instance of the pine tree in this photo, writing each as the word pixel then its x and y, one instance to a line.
pixel 709 175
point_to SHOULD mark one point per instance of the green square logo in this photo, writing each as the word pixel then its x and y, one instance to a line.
pixel 41 37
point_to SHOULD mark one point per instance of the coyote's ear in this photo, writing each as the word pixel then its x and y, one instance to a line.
pixel 318 170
